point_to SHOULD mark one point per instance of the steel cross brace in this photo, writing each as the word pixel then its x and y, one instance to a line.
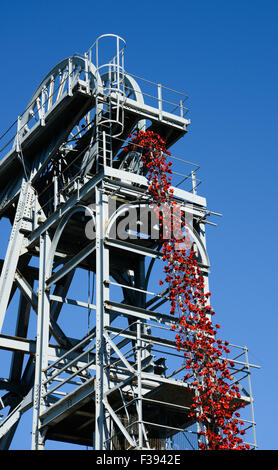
pixel 23 213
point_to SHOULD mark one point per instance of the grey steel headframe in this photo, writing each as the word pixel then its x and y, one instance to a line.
pixel 110 388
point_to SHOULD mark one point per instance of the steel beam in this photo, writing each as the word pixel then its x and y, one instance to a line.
pixel 140 250
pixel 21 330
pixel 14 248
pixel 138 312
pixel 28 346
pixel 85 191
pixel 41 343
pixel 14 416
pixel 70 265
pixel 102 318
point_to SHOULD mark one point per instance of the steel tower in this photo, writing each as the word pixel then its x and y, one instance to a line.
pixel 65 185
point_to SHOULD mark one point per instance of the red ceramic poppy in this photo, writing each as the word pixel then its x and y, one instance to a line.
pixel 213 401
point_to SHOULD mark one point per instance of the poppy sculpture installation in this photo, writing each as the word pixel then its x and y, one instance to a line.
pixel 215 400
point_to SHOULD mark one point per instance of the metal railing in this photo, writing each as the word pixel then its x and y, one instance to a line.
pixel 61 83
pixel 163 344
pixel 183 171
pixel 160 96
pixel 71 370
pixel 139 354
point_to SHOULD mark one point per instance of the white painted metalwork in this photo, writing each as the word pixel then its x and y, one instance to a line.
pixel 120 384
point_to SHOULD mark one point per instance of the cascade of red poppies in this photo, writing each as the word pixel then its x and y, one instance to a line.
pixel 215 397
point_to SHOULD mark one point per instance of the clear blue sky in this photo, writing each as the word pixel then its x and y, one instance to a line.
pixel 223 54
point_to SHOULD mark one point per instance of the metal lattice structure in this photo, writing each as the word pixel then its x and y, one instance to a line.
pixel 65 185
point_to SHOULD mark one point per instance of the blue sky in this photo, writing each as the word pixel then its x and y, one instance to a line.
pixel 224 56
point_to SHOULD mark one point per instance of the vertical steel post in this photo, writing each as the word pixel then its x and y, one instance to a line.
pixel 70 77
pixel 181 108
pixel 251 397
pixel 102 319
pixel 118 64
pixel 202 234
pixel 139 386
pixel 41 344
pixel 159 96
pixel 87 75
pixel 43 101
pixel 17 139
pixel 193 177
pixel 104 148
pixel 55 191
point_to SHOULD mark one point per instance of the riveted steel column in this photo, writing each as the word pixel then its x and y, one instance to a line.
pixel 20 226
pixel 139 386
pixel 42 344
pixel 102 318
